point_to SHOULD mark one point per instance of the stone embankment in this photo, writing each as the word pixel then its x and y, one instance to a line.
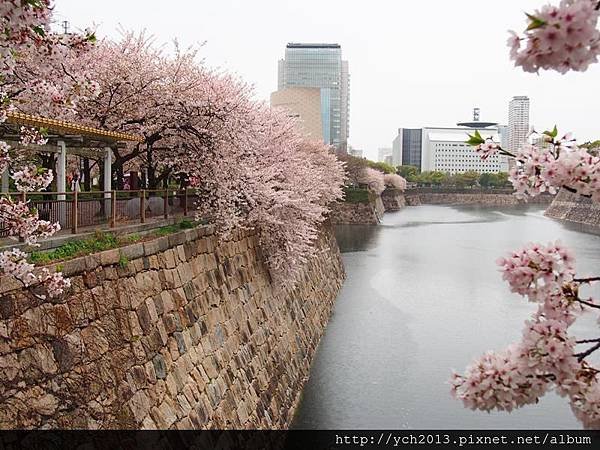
pixel 393 199
pixel 577 210
pixel 366 213
pixel 184 331
pixel 476 197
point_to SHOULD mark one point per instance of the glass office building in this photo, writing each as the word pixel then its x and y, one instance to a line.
pixel 406 148
pixel 320 66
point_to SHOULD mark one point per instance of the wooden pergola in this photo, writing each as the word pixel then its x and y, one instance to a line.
pixel 65 138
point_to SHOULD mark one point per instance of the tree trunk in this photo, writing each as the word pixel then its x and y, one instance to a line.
pixel 87 175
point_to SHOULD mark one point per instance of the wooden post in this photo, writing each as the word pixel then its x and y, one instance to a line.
pixel 166 204
pixel 113 209
pixel 185 200
pixel 142 206
pixel 23 199
pixel 74 213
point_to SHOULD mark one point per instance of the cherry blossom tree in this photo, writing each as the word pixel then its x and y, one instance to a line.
pixel 372 178
pixel 32 72
pixel 253 170
pixel 249 165
pixel 135 91
pixel 394 181
pixel 548 357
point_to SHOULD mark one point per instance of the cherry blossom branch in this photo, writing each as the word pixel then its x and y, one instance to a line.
pixel 587 303
pixel 587 341
pixel 581 356
pixel 586 280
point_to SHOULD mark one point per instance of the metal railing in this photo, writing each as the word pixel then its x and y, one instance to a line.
pixel 74 210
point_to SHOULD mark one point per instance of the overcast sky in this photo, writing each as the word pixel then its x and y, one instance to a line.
pixel 413 63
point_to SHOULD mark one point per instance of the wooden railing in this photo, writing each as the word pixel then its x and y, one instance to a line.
pixel 73 210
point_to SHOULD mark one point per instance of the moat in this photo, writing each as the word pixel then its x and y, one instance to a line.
pixel 424 296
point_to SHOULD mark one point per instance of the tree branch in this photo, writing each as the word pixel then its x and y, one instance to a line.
pixel 587 341
pixel 581 356
pixel 587 303
pixel 586 280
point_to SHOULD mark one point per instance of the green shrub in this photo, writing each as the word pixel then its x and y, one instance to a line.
pixel 356 195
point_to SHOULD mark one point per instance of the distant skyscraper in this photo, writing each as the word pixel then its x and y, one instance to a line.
pixel 406 148
pixel 518 122
pixel 383 153
pixel 503 133
pixel 321 66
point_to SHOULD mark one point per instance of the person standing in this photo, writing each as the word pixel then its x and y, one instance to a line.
pixel 75 183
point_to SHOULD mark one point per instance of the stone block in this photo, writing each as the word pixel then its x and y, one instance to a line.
pixel 74 266
pixel 139 405
pixel 68 351
pixel 160 367
pixel 181 346
pixel 133 251
pixel 176 239
pixel 144 318
pixel 151 248
pixel 95 341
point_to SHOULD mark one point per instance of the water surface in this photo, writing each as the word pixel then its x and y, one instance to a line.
pixel 423 296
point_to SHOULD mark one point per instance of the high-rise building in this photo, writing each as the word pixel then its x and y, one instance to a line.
pixel 518 122
pixel 321 66
pixel 304 104
pixel 406 148
pixel 383 153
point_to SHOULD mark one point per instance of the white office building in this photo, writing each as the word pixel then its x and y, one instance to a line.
pixel 446 150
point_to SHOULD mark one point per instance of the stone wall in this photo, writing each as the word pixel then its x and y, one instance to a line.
pixel 393 200
pixel 480 199
pixel 577 210
pixel 363 213
pixel 179 332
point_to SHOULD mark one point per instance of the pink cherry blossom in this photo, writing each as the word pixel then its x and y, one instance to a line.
pixel 546 349
pixel 373 179
pixel 537 271
pixel 560 38
pixel 33 78
pixel 32 136
pixel 394 181
pixel 31 178
pixel 585 403
pixel 497 381
pixel 487 149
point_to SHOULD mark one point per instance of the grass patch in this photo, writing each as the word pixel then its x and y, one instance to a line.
pixel 99 242
pixel 123 261
pixel 185 224
pixel 356 195
pixel 102 241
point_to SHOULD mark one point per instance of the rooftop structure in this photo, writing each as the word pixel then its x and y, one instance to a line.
pixel 476 122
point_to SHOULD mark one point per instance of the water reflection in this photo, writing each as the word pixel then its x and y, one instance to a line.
pixel 424 296
pixel 356 238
